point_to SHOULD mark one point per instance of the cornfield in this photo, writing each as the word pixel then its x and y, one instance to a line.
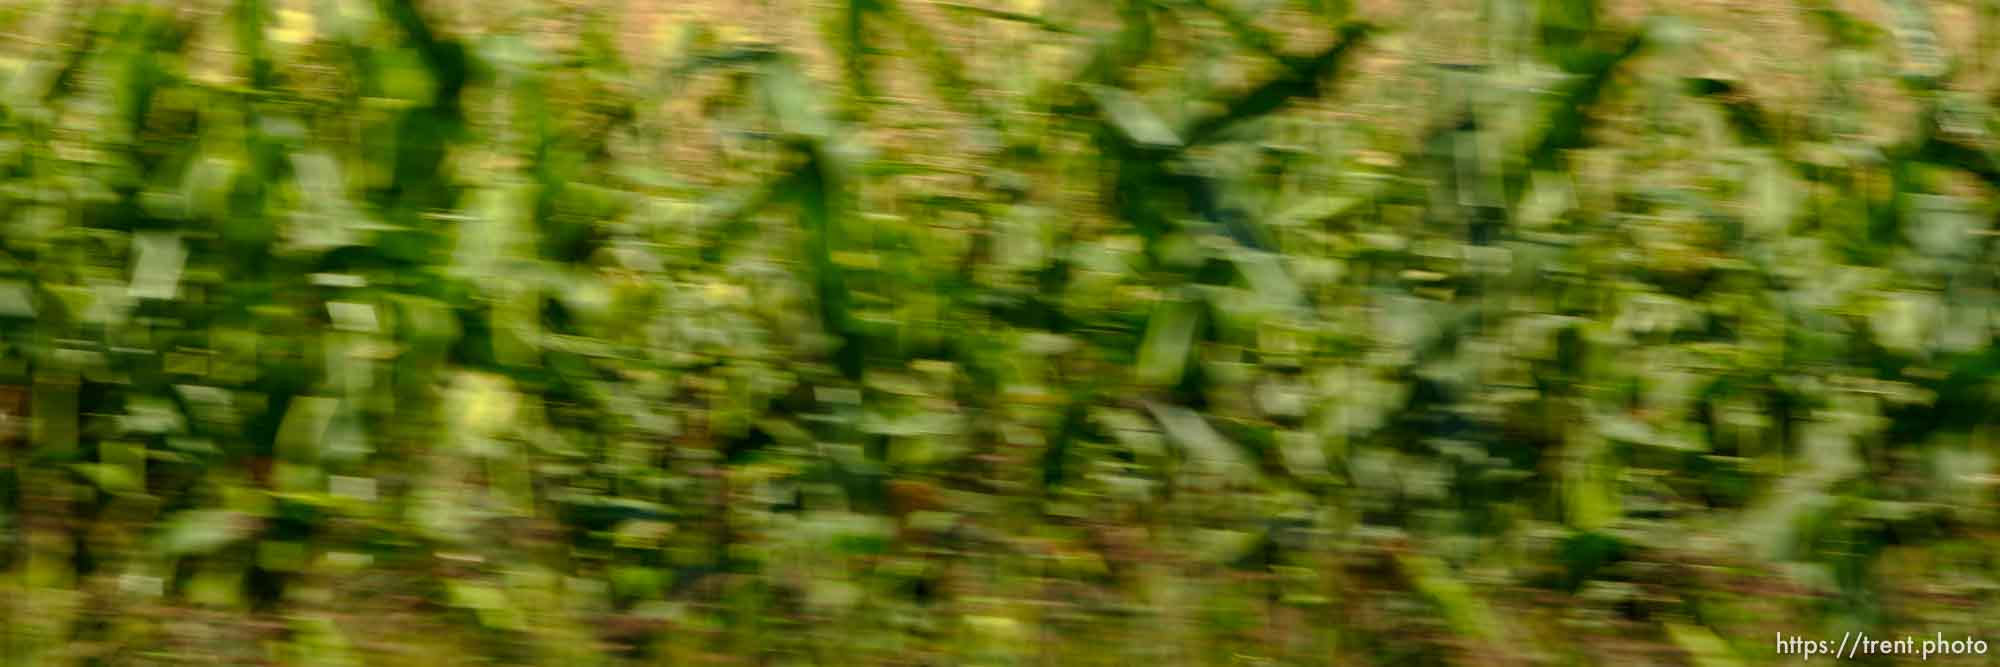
pixel 995 332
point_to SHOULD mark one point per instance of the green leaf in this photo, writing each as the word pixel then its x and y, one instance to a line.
pixel 109 477
pixel 1467 613
pixel 489 603
pixel 1169 342
pixel 1004 15
pixel 158 261
pixel 1133 118
pixel 203 532
pixel 1702 645
pixel 17 300
pixel 855 16
pixel 1196 437
pixel 1303 78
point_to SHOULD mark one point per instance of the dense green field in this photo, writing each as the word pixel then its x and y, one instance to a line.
pixel 1003 332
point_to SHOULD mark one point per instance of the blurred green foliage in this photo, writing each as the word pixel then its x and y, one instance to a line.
pixel 1067 332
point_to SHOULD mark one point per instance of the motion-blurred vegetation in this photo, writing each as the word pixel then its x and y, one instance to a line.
pixel 1005 332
